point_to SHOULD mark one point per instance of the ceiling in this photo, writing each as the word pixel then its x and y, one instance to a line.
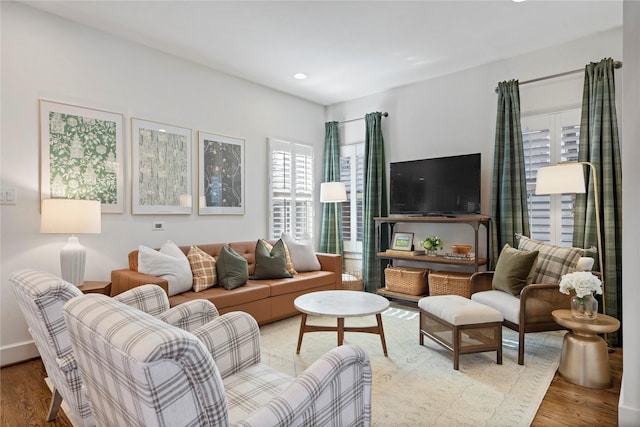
pixel 349 49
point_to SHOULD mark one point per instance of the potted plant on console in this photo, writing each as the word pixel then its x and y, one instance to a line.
pixel 432 244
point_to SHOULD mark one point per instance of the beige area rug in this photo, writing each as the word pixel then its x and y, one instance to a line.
pixel 416 385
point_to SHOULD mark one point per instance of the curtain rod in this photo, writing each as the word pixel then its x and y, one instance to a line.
pixel 616 65
pixel 385 114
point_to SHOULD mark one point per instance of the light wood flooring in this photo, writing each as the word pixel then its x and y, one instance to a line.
pixel 25 399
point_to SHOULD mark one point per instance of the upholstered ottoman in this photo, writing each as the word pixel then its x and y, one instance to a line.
pixel 461 325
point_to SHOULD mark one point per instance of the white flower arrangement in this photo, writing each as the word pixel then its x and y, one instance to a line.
pixel 432 243
pixel 583 282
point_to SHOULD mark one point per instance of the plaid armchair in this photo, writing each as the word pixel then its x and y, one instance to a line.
pixel 139 372
pixel 41 297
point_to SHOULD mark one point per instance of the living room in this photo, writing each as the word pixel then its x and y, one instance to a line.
pixel 48 57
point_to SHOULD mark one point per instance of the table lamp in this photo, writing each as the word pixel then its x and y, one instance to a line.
pixel 71 216
pixel 567 178
pixel 334 192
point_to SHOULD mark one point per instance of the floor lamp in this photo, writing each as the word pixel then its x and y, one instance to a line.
pixel 334 192
pixel 567 178
pixel 71 216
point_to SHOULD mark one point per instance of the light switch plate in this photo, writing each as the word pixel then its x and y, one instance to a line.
pixel 7 196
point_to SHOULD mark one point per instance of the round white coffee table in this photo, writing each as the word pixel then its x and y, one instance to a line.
pixel 341 304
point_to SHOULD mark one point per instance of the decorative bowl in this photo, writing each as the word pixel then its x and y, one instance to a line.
pixel 461 249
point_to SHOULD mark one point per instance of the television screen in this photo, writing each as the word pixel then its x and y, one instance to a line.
pixel 439 186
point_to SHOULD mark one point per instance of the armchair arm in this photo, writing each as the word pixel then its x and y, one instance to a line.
pixel 67 363
pixel 480 281
pixel 334 390
pixel 538 300
pixel 151 299
pixel 125 279
pixel 332 262
pixel 190 315
pixel 233 340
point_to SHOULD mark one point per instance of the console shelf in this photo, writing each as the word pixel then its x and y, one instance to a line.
pixel 474 221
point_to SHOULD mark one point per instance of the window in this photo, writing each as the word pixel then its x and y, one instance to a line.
pixel 290 189
pixel 352 174
pixel 550 139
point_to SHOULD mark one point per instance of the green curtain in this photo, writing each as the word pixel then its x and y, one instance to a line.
pixel 600 145
pixel 331 216
pixel 509 213
pixel 375 201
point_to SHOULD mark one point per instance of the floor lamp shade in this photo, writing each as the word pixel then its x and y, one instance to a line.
pixel 333 192
pixel 71 216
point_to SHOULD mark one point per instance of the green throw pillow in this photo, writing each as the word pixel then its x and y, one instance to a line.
pixel 270 265
pixel 232 269
pixel 514 270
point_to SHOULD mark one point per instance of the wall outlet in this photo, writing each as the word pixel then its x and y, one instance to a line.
pixel 158 226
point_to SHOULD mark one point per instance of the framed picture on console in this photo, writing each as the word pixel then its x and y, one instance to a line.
pixel 81 154
pixel 161 176
pixel 402 241
pixel 220 174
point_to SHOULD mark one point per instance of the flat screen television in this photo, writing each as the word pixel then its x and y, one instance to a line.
pixel 443 186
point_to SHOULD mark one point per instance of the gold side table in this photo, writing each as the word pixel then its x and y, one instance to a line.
pixel 585 360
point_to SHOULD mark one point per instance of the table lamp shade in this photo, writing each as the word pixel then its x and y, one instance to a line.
pixel 563 178
pixel 333 192
pixel 69 216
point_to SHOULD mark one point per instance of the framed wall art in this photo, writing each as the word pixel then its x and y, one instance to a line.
pixel 220 174
pixel 402 242
pixel 161 176
pixel 81 154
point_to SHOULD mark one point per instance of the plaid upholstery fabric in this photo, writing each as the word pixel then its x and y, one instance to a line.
pixel 138 371
pixel 190 315
pixel 151 299
pixel 203 268
pixel 334 391
pixel 553 261
pixel 41 297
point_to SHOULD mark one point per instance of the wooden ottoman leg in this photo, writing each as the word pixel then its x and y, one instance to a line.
pixel 456 347
pixel 499 339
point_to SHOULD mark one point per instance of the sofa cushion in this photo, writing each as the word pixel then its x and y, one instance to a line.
pixel 504 302
pixel 289 266
pixel 514 270
pixel 232 269
pixel 203 268
pixel 251 291
pixel 303 254
pixel 553 261
pixel 271 261
pixel 170 263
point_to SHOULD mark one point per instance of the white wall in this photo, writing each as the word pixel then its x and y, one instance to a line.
pixel 50 58
pixel 456 114
pixel 629 404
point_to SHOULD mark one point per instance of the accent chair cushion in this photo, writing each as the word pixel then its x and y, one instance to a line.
pixel 303 254
pixel 553 261
pixel 270 263
pixel 203 268
pixel 170 263
pixel 514 270
pixel 232 269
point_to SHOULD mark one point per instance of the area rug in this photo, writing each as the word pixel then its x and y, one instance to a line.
pixel 417 385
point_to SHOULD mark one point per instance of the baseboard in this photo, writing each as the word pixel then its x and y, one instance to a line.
pixel 627 416
pixel 17 353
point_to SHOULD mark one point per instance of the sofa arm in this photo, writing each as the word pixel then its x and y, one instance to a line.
pixel 233 340
pixel 333 263
pixel 480 281
pixel 190 315
pixel 538 300
pixel 123 280
pixel 321 391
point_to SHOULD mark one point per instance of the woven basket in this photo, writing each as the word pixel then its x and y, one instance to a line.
pixel 351 282
pixel 407 280
pixel 449 283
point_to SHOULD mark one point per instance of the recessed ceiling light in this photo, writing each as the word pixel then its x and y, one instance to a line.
pixel 300 76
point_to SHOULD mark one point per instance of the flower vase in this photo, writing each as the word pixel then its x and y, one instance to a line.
pixel 431 252
pixel 584 308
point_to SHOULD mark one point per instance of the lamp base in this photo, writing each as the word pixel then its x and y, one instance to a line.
pixel 72 261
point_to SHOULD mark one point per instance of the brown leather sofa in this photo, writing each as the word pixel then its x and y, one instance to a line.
pixel 266 300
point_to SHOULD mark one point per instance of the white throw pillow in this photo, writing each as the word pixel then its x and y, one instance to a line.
pixel 303 254
pixel 170 263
